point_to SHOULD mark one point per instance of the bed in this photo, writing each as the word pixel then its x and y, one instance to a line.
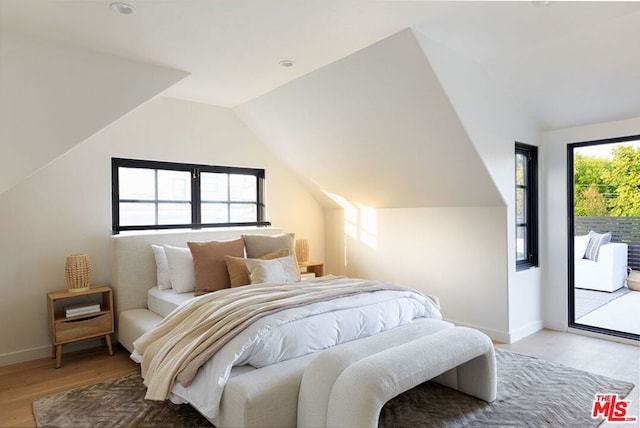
pixel 255 390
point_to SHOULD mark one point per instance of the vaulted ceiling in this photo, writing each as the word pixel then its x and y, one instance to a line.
pixel 569 63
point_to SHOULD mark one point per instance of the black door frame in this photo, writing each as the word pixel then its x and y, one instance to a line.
pixel 570 237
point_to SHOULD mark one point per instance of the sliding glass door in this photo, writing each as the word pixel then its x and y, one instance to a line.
pixel 604 236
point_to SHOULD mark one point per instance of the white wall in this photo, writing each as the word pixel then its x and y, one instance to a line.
pixel 494 121
pixel 54 96
pixel 454 253
pixel 66 207
pixel 555 235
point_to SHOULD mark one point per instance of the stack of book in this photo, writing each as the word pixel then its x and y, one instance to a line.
pixel 84 309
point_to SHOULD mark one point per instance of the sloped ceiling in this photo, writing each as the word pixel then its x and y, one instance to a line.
pixel 54 96
pixel 570 62
pixel 375 128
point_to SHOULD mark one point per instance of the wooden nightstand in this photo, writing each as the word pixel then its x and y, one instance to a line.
pixel 313 267
pixel 64 329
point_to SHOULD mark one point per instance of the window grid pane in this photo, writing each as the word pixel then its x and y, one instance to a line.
pixel 242 188
pixel 521 243
pixel 137 214
pixel 213 213
pixel 521 169
pixel 172 213
pixel 243 212
pixel 174 185
pixel 137 184
pixel 521 206
pixel 214 187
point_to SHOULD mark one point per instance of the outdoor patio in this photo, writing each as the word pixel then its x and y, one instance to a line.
pixel 620 309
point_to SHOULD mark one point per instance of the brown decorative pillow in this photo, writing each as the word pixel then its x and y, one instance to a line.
pixel 209 265
pixel 237 268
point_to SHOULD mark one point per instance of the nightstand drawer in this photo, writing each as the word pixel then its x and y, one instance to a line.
pixel 98 324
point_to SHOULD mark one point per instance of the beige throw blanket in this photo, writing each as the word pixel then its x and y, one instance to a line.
pixel 190 335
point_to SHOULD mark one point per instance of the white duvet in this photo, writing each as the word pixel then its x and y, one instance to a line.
pixel 299 331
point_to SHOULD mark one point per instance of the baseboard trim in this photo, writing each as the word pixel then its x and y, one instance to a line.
pixel 525 331
pixel 495 335
pixel 556 326
pixel 25 355
pixel 504 336
pixel 31 354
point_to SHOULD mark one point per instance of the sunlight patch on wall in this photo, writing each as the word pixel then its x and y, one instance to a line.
pixel 360 221
pixel 368 225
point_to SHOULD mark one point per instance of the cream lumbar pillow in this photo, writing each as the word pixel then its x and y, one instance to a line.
pixel 238 273
pixel 283 269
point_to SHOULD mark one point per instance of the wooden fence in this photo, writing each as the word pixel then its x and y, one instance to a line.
pixel 623 229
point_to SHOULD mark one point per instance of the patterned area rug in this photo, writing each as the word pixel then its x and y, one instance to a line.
pixel 531 393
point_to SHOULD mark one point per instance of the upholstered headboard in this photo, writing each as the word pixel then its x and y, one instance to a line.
pixel 133 266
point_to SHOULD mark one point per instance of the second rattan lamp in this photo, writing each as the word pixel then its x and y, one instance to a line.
pixel 302 251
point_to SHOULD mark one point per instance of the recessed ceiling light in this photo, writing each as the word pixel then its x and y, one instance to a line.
pixel 286 63
pixel 541 3
pixel 123 8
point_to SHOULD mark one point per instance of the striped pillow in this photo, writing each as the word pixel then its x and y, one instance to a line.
pixel 595 241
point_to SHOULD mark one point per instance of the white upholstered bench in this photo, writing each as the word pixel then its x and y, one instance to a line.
pixel 348 385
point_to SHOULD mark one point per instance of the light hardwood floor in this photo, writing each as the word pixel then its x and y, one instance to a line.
pixel 20 384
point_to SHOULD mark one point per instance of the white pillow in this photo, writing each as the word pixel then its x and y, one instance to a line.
pixel 183 278
pixel 162 268
pixel 580 246
pixel 283 269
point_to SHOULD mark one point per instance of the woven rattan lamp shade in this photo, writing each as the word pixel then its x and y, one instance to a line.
pixel 302 251
pixel 77 270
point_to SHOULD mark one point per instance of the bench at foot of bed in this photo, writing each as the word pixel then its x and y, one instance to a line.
pixel 347 386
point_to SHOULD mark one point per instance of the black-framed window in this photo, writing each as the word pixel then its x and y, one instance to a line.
pixel 168 195
pixel 526 206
